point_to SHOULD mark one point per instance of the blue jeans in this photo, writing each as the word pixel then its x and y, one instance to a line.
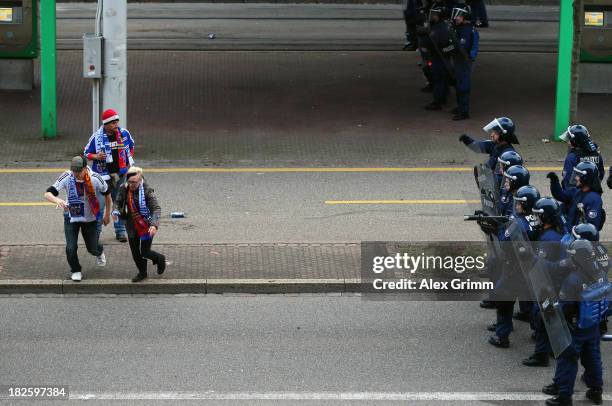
pixel 90 235
pixel 119 224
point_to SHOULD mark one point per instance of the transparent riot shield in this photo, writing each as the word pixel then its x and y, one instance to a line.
pixel 488 189
pixel 543 291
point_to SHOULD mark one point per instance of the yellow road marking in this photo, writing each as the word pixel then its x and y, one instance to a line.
pixel 458 201
pixel 280 170
pixel 16 204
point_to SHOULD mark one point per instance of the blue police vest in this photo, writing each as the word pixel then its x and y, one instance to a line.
pixel 594 303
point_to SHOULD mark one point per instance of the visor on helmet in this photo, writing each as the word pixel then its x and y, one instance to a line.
pixel 494 125
pixel 459 11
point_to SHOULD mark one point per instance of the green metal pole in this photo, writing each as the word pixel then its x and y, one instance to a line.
pixel 48 102
pixel 564 67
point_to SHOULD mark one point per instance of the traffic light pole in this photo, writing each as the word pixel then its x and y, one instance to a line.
pixel 564 67
pixel 48 93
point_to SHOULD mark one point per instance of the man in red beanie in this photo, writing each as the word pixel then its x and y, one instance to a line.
pixel 111 148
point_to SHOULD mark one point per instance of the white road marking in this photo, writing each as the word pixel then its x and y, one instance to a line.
pixel 366 396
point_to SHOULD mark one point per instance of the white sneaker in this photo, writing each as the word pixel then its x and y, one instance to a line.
pixel 101 260
pixel 76 276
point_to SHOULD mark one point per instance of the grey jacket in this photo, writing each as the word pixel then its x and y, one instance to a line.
pixel 120 205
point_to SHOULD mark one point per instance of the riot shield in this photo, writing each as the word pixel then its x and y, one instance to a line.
pixel 543 291
pixel 488 188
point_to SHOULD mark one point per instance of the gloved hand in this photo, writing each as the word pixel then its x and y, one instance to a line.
pixel 465 139
pixel 564 263
pixel 487 227
pixel 609 182
pixel 553 177
pixel 524 254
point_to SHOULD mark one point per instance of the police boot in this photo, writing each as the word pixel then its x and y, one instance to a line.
pixel 487 304
pixel 594 395
pixel 409 45
pixel 536 360
pixel 551 389
pixel 559 401
pixel 492 327
pixel 499 342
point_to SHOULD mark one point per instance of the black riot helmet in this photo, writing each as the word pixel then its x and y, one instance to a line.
pixel 436 9
pixel 581 253
pixel 504 127
pixel 461 10
pixel 517 176
pixel 526 197
pixel 578 137
pixel 548 211
pixel 508 159
pixel 585 231
pixel 588 174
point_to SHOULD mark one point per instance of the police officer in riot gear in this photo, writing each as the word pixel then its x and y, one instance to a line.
pixel 502 135
pixel 549 250
pixel 439 46
pixel 584 203
pixel 466 39
pixel 581 149
pixel 584 300
pixel 508 282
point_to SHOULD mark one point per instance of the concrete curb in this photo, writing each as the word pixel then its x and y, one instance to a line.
pixel 177 286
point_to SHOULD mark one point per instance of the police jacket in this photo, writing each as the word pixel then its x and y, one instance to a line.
pixel 583 207
pixel 489 147
pixel 467 42
pixel 572 289
pixel 573 158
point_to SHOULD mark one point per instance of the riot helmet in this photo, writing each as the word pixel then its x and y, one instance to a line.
pixel 516 176
pixel 587 174
pixel 504 127
pixel 508 159
pixel 578 137
pixel 461 10
pixel 581 253
pixel 525 197
pixel 436 9
pixel 548 211
pixel 585 231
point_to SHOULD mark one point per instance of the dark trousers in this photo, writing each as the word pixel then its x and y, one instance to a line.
pixel 463 75
pixel 141 251
pixel 542 344
pixel 586 347
pixel 441 79
pixel 479 11
pixel 504 318
pixel 90 235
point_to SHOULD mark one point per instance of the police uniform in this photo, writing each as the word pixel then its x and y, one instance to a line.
pixel 465 54
pixel 581 206
pixel 573 158
pixel 583 317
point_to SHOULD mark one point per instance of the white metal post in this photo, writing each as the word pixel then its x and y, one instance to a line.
pixel 114 84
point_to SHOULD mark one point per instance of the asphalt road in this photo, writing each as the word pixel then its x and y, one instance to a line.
pixel 297 27
pixel 247 348
pixel 275 207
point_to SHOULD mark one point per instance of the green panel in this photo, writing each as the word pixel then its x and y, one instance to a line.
pixel 564 67
pixel 48 74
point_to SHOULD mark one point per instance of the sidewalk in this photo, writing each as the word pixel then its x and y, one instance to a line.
pixel 211 268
